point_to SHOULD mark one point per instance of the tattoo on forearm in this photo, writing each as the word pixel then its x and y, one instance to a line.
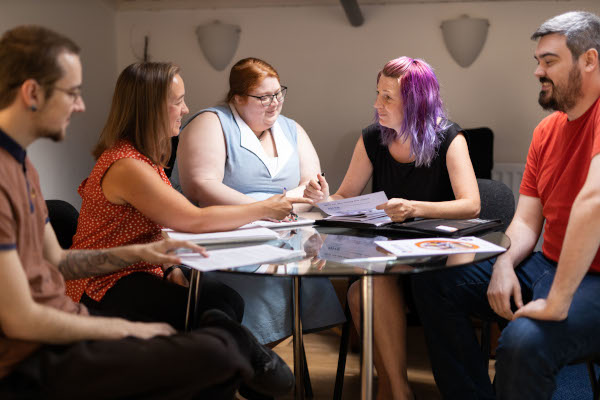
pixel 86 263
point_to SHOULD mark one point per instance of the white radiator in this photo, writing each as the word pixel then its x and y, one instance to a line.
pixel 510 174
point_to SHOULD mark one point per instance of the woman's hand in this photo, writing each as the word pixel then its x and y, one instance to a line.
pixel 280 206
pixel 317 189
pixel 398 209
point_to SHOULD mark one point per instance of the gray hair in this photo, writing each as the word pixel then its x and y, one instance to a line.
pixel 582 30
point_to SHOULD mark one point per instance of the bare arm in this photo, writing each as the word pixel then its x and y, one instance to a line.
pixel 130 181
pixel 201 156
pixel 76 264
pixel 356 178
pixel 464 186
pixel 523 231
pixel 580 246
pixel 22 318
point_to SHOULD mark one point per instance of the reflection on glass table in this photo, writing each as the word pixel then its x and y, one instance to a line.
pixel 332 251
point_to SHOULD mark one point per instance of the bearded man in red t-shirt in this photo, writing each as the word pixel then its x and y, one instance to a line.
pixel 548 300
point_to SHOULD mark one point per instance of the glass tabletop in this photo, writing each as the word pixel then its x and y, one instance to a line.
pixel 337 251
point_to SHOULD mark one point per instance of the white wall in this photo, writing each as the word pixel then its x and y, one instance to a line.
pixel 91 24
pixel 330 67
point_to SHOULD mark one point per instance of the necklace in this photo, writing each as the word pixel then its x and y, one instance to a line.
pixel 260 137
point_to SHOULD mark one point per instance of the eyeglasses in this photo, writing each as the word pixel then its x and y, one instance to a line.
pixel 74 93
pixel 266 100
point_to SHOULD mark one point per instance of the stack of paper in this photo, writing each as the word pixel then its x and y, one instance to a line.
pixel 359 209
pixel 243 235
pixel 278 224
pixel 239 257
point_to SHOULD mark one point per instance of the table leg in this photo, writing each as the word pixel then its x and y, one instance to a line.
pixel 191 314
pixel 297 336
pixel 366 360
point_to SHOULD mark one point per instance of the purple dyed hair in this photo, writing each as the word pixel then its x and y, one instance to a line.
pixel 424 116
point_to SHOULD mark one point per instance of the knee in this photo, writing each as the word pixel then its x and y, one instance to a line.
pixel 354 299
pixel 522 342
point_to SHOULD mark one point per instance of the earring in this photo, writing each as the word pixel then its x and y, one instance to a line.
pixel 33 108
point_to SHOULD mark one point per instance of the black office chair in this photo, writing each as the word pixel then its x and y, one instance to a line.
pixel 63 218
pixel 497 202
pixel 481 150
pixel 591 362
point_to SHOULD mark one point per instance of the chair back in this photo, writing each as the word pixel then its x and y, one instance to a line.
pixel 497 201
pixel 63 218
pixel 481 150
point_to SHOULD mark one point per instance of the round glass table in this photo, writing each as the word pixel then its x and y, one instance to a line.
pixel 341 252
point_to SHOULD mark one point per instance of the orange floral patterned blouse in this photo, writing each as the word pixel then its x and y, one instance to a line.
pixel 103 224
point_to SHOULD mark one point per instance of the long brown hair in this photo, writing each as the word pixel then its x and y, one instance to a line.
pixel 139 111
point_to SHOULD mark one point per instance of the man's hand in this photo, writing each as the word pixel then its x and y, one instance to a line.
pixel 543 310
pixel 504 284
pixel 163 252
pixel 398 209
pixel 144 330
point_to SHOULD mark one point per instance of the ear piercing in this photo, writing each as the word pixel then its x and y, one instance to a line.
pixel 33 108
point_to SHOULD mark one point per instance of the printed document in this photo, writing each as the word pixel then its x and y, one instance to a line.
pixel 244 235
pixel 278 224
pixel 239 257
pixel 359 209
pixel 439 246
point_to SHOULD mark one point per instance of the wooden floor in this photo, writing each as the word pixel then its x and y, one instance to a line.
pixel 322 355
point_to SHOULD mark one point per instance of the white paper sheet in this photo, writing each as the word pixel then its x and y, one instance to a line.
pixel 438 246
pixel 354 205
pixel 243 235
pixel 239 257
pixel 275 225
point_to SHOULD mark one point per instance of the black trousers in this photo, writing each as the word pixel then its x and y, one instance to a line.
pixel 208 363
pixel 144 297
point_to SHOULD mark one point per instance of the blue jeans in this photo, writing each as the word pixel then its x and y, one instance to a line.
pixel 530 352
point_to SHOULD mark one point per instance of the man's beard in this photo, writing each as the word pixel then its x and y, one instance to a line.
pixel 562 99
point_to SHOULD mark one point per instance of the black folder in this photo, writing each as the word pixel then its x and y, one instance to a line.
pixel 428 227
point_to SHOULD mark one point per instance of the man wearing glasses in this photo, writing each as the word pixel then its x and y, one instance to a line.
pixel 50 347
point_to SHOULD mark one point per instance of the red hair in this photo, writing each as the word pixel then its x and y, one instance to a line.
pixel 247 74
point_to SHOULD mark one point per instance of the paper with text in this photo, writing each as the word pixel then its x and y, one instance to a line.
pixel 354 205
pixel 244 235
pixel 239 257
pixel 438 246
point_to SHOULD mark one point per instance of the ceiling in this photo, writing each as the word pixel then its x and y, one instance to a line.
pixel 198 4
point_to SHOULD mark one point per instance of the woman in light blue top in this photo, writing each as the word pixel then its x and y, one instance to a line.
pixel 244 151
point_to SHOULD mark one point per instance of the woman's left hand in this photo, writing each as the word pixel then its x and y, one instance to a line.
pixel 398 209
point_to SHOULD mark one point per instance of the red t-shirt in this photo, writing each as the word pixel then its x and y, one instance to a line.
pixel 103 224
pixel 557 167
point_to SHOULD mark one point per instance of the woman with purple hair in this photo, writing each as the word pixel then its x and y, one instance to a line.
pixel 421 161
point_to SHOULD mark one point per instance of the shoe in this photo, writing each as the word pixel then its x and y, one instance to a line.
pixel 272 376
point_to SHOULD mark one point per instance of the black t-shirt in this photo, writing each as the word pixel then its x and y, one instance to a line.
pixel 405 180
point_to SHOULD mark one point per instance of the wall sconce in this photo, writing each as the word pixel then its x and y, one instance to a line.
pixel 464 38
pixel 218 42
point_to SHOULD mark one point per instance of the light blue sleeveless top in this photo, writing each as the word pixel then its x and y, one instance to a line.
pixel 268 300
pixel 245 171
